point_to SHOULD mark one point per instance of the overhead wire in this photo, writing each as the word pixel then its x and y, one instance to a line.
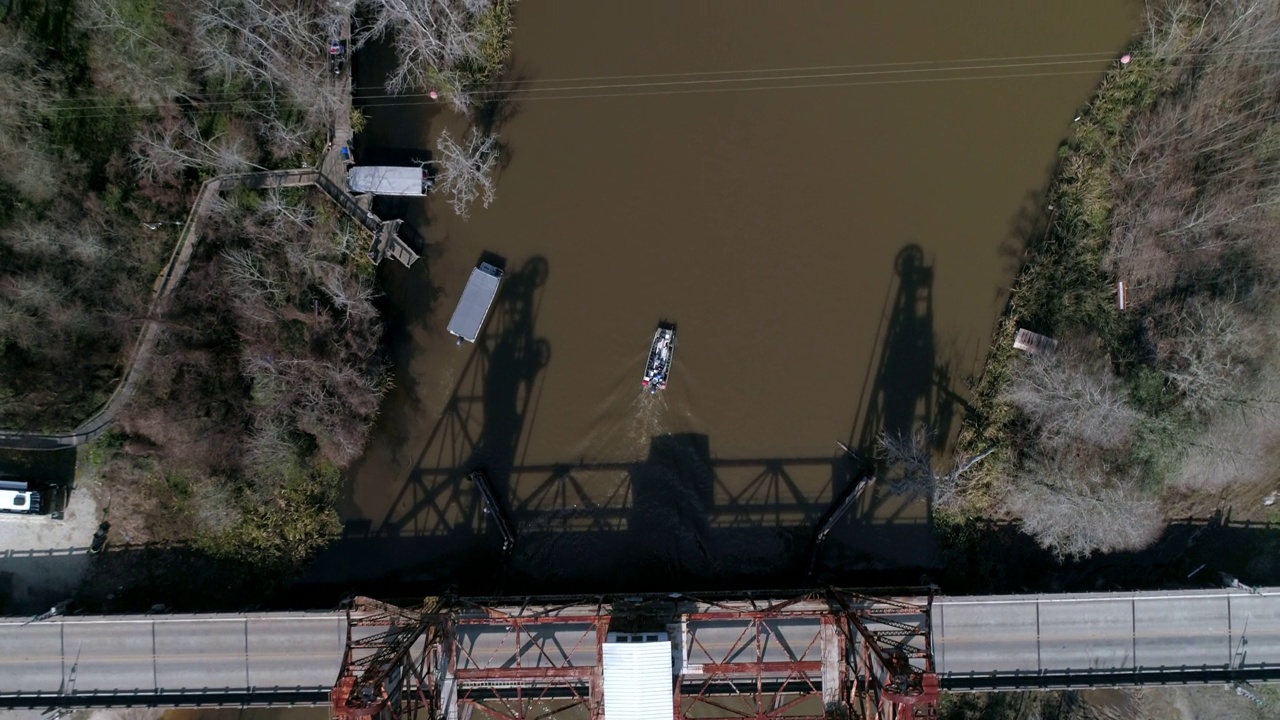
pixel 1099 56
pixel 808 86
pixel 498 86
pixel 695 82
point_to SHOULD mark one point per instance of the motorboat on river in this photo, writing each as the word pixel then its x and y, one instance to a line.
pixel 658 368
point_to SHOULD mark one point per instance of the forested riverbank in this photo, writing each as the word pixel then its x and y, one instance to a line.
pixel 1168 184
pixel 271 366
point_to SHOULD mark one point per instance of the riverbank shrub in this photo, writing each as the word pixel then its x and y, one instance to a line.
pixel 263 386
pixel 266 384
pixel 453 47
pixel 1170 184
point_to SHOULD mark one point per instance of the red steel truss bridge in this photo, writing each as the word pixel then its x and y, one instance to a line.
pixel 834 653
pixel 805 657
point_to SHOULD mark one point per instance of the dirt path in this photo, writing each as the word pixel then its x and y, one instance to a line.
pixel 162 292
pixel 331 165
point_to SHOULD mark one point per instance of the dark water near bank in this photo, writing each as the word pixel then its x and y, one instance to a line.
pixel 827 197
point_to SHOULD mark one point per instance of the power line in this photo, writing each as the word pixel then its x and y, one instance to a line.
pixel 864 83
pixel 711 85
pixel 942 64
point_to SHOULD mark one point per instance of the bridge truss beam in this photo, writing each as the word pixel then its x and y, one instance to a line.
pixel 387 667
pixel 798 659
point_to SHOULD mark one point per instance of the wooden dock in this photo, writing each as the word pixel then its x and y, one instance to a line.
pixel 1033 343
pixel 387 244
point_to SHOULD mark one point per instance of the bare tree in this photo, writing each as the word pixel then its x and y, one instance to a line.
pixel 349 294
pixel 28 94
pixel 33 169
pixel 273 44
pixel 1212 347
pixel 1072 398
pixel 269 443
pixel 1075 507
pixel 161 152
pixel 909 463
pixel 251 276
pixel 431 39
pixel 27 89
pixel 35 292
pixel 133 52
pixel 214 505
pixel 20 325
pixel 466 173
pixel 48 240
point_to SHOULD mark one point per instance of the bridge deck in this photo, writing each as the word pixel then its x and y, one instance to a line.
pixel 255 659
pixel 980 643
pixel 1104 639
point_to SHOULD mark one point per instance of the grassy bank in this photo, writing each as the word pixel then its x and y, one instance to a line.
pixel 1168 183
pixel 1063 284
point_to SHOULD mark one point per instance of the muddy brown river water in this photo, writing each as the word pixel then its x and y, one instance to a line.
pixel 828 198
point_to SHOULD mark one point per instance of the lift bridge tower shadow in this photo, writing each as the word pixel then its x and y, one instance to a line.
pixel 905 391
pixel 437 529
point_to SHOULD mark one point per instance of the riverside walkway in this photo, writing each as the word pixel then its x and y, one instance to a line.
pixel 386 243
pixel 384 238
pixel 161 293
pixel 985 643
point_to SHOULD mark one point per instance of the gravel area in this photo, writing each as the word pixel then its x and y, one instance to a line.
pixel 42 559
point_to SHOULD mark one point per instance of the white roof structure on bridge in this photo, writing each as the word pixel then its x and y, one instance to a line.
pixel 637 677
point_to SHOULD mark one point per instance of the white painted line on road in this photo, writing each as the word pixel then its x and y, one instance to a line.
pixel 1109 597
pixel 100 620
pixel 1030 637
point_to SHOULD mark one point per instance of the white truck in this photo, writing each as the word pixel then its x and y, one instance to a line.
pixel 388 180
pixel 19 497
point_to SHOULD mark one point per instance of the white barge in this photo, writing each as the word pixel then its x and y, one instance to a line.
pixel 385 180
pixel 477 298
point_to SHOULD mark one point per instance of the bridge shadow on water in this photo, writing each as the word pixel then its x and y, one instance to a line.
pixel 679 517
pixel 905 389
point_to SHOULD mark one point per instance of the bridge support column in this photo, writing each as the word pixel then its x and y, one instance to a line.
pixel 390 664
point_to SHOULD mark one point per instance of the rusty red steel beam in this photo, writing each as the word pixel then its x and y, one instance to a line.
pixel 759 713
pixel 752 668
pixel 582 672
pixel 756 614
pixel 520 715
pixel 485 710
pixel 506 620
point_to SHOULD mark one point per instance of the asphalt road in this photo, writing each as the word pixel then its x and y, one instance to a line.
pixel 1059 635
pixel 239 655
